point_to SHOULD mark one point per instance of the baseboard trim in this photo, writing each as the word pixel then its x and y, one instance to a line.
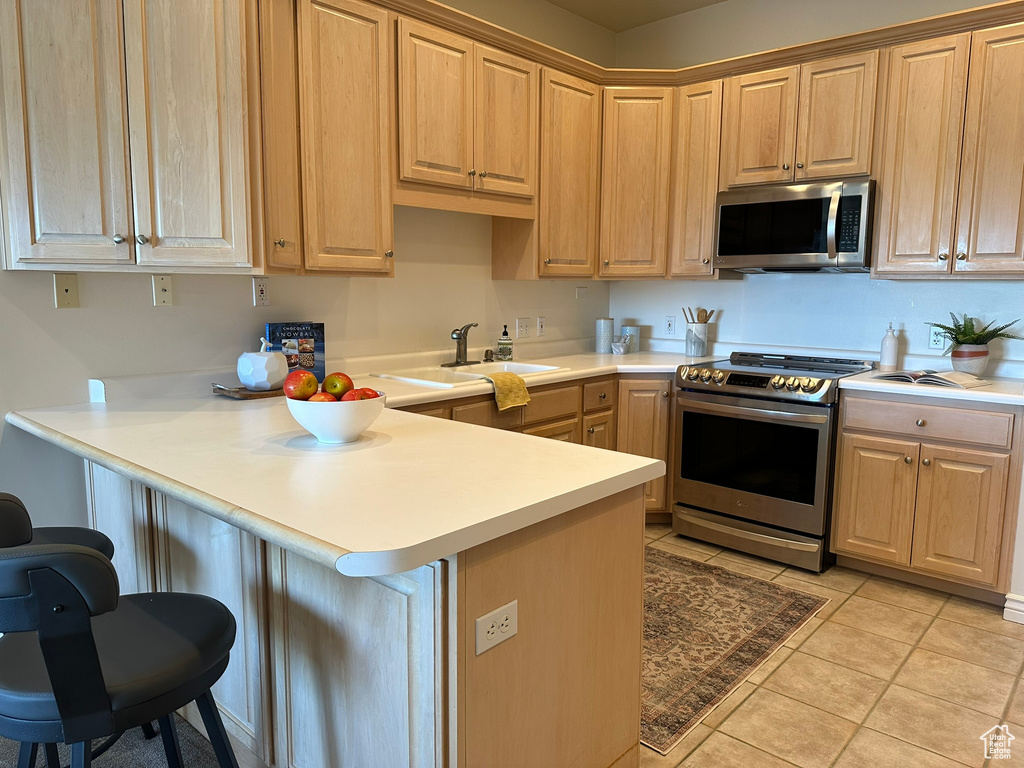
pixel 1013 610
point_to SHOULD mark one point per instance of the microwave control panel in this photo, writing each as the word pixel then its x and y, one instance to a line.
pixel 849 224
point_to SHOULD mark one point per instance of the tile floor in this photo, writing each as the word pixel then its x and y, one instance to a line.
pixel 888 675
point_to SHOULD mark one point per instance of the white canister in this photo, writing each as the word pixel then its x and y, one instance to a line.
pixel 631 336
pixel 696 339
pixel 603 335
pixel 262 371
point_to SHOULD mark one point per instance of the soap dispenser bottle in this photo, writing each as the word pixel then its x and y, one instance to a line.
pixel 504 346
pixel 890 345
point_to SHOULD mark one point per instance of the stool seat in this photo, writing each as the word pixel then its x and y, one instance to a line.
pixel 81 537
pixel 150 645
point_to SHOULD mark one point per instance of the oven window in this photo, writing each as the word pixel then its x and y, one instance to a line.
pixel 777 460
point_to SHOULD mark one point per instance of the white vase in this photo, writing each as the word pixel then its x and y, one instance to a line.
pixel 970 358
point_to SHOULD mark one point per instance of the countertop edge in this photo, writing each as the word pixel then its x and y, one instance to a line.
pixel 997 394
pixel 300 543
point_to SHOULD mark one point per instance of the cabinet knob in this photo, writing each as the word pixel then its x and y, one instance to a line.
pixel 907 460
pixel 664 394
pixel 547 261
pixel 785 166
pixel 389 254
pixel 472 171
pixel 118 239
pixel 141 239
pixel 705 261
pixel 943 256
pixel 483 174
pixel 961 257
pixel 602 396
pixel 799 165
pixel 280 243
pixel 606 262
pixel 590 430
pixel 920 422
pixel 926 462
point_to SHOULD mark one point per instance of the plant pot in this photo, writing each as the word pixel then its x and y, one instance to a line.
pixel 970 358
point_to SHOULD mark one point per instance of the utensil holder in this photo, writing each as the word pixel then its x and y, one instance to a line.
pixel 631 337
pixel 696 339
pixel 603 335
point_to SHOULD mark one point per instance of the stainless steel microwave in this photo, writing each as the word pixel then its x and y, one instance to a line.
pixel 817 227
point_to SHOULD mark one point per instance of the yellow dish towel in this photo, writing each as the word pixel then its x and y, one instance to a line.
pixel 509 390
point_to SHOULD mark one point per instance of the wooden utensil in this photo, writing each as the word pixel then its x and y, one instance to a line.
pixel 702 315
pixel 708 318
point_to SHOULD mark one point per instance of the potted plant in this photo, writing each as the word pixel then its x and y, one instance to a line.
pixel 968 342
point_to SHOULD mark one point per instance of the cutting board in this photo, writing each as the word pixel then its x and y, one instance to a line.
pixel 241 393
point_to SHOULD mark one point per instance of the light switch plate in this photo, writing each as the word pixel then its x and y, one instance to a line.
pixel 541 321
pixel 522 327
pixel 65 290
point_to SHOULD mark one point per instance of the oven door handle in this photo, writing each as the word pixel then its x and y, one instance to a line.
pixel 756 413
pixel 830 227
pixel 739 533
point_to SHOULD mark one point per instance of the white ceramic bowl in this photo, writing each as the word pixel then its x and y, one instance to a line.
pixel 340 422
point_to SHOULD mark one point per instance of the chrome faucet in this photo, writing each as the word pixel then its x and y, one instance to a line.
pixel 461 336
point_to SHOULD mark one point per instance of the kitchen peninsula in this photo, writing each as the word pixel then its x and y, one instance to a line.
pixel 357 572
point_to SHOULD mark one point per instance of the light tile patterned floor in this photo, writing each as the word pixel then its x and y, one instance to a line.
pixel 888 674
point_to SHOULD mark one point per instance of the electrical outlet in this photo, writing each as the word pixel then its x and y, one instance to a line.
pixel 582 291
pixel 162 294
pixel 935 338
pixel 522 327
pixel 65 290
pixel 260 292
pixel 497 626
pixel 540 325
pixel 670 325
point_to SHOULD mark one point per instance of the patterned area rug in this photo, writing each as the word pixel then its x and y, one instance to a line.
pixel 706 630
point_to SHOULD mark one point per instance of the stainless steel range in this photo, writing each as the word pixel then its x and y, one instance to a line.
pixel 755 439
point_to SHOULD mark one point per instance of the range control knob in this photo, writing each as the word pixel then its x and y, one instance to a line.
pixel 718 376
pixel 683 371
pixel 810 385
pixel 778 382
pixel 705 375
pixel 694 374
pixel 792 383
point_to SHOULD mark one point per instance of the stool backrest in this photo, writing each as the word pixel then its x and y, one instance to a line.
pixel 55 590
pixel 15 524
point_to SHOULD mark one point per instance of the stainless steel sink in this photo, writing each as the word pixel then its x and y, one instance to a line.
pixel 446 378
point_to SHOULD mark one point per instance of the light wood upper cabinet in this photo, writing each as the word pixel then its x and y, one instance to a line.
pixel 835 121
pixel 921 155
pixel 990 208
pixel 635 181
pixel 643 416
pixel 874 512
pixel 468 114
pixel 435 114
pixel 67 179
pixel 759 127
pixel 695 178
pixel 570 175
pixel 344 115
pixel 807 122
pixel 960 503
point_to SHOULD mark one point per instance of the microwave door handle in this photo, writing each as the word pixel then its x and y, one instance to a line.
pixel 830 227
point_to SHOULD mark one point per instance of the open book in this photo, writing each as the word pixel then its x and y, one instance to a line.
pixel 945 379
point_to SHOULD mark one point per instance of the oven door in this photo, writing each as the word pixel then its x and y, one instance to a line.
pixel 759 460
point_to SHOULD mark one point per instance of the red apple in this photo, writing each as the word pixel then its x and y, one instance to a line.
pixel 356 394
pixel 337 384
pixel 370 392
pixel 323 397
pixel 300 385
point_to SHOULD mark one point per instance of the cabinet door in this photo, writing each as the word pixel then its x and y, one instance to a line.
pixel 874 514
pixel 960 503
pixel 836 117
pixel 759 127
pixel 643 414
pixel 64 111
pixel 990 212
pixel 599 430
pixel 187 115
pixel 635 187
pixel 695 182
pixel 921 155
pixel 435 105
pixel 570 175
pixel 344 72
pixel 507 124
pixel 567 430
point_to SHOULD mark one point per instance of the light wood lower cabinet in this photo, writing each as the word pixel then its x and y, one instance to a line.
pixel 643 414
pixel 567 430
pixel 599 430
pixel 942 502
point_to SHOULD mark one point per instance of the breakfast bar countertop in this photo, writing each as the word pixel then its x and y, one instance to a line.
pixel 411 490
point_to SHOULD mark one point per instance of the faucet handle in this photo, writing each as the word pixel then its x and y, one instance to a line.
pixel 463 332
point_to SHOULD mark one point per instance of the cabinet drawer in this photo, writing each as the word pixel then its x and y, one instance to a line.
pixel 486 414
pixel 598 395
pixel 930 421
pixel 552 404
pixel 567 431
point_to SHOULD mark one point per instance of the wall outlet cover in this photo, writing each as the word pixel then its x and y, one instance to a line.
pixel 260 292
pixel 935 338
pixel 497 626
pixel 65 290
pixel 670 325
pixel 162 294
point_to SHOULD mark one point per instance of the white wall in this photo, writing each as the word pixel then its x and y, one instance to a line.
pixel 546 23
pixel 738 27
pixel 442 266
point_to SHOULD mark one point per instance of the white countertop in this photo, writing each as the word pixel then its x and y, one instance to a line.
pixel 412 489
pixel 1002 391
